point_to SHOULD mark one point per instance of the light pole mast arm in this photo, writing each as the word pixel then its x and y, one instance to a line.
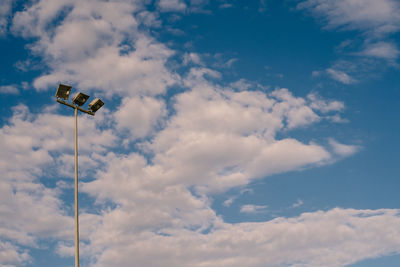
pixel 75 107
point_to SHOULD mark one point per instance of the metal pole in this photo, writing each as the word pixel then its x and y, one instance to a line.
pixel 76 192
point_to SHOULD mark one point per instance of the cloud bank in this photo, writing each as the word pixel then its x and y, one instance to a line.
pixel 153 201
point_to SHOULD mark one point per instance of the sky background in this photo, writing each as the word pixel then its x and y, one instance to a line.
pixel 234 133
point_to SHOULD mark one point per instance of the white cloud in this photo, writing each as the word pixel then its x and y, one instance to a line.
pixel 340 76
pixel 219 139
pixel 171 5
pixel 230 62
pixel 148 197
pixel 11 255
pixel 375 17
pixel 229 201
pixel 9 89
pixel 111 54
pixel 381 50
pixel 252 208
pixel 337 119
pixel 317 103
pixel 241 85
pixel 343 236
pixel 374 22
pixel 192 58
pixel 295 110
pixel 140 72
pixel 286 155
pixel 149 19
pixel 342 149
pixel 216 139
pixel 140 116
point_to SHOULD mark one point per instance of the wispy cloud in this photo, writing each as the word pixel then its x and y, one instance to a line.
pixel 192 58
pixel 253 208
pixel 241 84
pixel 384 50
pixel 171 5
pixel 374 22
pixel 323 105
pixel 225 5
pixel 377 18
pixel 340 76
pixel 342 149
pixel 229 201
pixel 5 15
pixel 9 89
pixel 298 203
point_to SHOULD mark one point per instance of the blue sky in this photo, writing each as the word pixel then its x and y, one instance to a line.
pixel 234 133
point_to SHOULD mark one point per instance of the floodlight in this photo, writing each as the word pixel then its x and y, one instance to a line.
pixel 80 99
pixel 96 104
pixel 63 91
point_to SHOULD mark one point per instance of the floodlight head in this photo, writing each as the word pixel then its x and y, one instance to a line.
pixel 80 99
pixel 63 91
pixel 96 104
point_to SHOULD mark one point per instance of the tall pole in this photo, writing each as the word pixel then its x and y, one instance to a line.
pixel 76 192
pixel 78 100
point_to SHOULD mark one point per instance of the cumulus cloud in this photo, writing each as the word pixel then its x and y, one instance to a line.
pixel 140 116
pixel 207 139
pixel 296 111
pixel 211 143
pixel 32 147
pixel 11 255
pixel 231 135
pixel 28 140
pixel 111 54
pixel 217 139
pixel 343 236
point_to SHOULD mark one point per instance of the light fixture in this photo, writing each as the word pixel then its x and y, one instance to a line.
pixel 96 104
pixel 63 91
pixel 80 99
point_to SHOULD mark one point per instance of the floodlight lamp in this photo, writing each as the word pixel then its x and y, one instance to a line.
pixel 80 99
pixel 96 104
pixel 63 91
